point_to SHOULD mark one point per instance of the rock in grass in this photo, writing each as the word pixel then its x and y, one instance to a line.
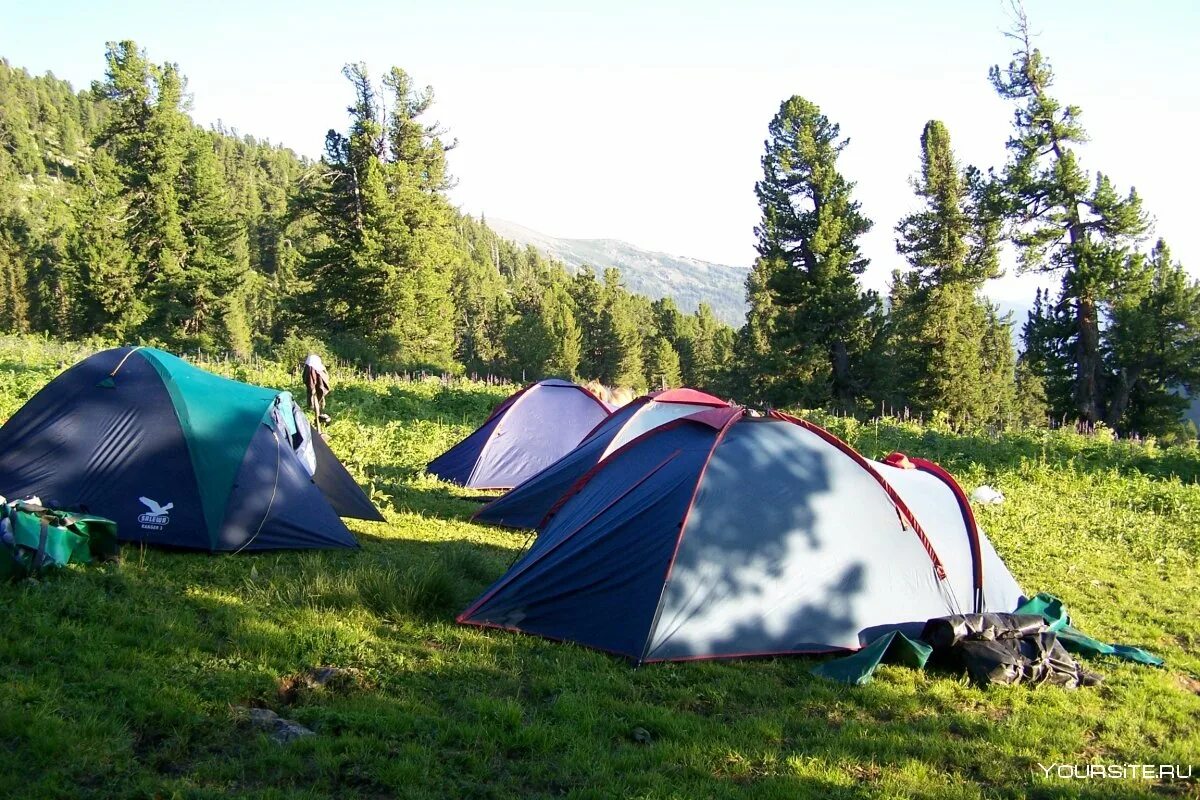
pixel 281 730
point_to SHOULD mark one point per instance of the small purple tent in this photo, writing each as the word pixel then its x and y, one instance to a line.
pixel 525 434
pixel 529 503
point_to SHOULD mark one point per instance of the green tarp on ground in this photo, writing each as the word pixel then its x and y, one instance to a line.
pixel 893 647
pixel 896 648
pixel 1051 609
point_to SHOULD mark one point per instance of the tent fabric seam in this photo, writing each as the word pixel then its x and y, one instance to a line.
pixel 964 508
pixel 179 404
pixel 179 408
pixel 687 512
pixel 586 478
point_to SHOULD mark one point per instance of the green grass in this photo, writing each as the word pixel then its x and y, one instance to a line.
pixel 120 680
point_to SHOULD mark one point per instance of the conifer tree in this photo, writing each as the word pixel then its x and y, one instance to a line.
pixel 589 297
pixel 204 302
pixel 481 302
pixel 662 365
pixel 1031 409
pixel 1048 354
pixel 1153 343
pixel 619 337
pixel 146 135
pixel 809 319
pixel 385 274
pixel 14 311
pixel 1063 221
pixel 943 335
pixel 109 297
pixel 565 336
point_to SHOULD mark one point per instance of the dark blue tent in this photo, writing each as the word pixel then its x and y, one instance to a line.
pixel 179 457
pixel 721 534
pixel 527 504
pixel 525 434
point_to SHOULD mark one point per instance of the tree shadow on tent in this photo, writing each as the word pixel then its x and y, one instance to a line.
pixel 790 546
pixel 754 513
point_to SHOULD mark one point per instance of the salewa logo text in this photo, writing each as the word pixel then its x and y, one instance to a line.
pixel 158 516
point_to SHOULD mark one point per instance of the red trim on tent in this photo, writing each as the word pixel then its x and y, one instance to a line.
pixel 567 537
pixel 717 418
pixel 729 420
pixel 964 506
pixel 694 398
pixel 643 400
pixel 906 514
pixel 765 654
pixel 685 395
pixel 609 408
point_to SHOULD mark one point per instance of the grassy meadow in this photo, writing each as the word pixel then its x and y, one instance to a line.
pixel 121 680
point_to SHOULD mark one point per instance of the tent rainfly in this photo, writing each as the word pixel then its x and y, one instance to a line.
pixel 180 457
pixel 528 504
pixel 720 535
pixel 525 434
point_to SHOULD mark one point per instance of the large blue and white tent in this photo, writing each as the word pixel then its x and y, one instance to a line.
pixel 721 534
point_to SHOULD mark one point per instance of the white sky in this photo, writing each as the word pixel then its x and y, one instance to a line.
pixel 645 121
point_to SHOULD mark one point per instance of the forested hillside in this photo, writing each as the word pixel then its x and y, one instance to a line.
pixel 121 218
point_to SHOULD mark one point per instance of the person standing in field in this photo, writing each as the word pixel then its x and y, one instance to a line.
pixel 316 385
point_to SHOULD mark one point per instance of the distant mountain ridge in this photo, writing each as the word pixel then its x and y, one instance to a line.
pixel 689 281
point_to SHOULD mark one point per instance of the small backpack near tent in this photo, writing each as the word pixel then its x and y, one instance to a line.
pixel 720 534
pixel 529 503
pixel 179 457
pixel 523 435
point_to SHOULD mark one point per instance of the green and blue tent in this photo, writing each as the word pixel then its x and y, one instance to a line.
pixel 180 457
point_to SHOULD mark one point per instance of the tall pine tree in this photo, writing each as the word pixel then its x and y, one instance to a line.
pixel 1154 343
pixel 809 319
pixel 384 275
pixel 1063 221
pixel 951 353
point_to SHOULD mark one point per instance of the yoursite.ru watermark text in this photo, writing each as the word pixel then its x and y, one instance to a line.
pixel 1143 772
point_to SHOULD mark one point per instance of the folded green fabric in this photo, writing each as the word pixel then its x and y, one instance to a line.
pixel 893 648
pixel 1051 609
pixel 36 539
